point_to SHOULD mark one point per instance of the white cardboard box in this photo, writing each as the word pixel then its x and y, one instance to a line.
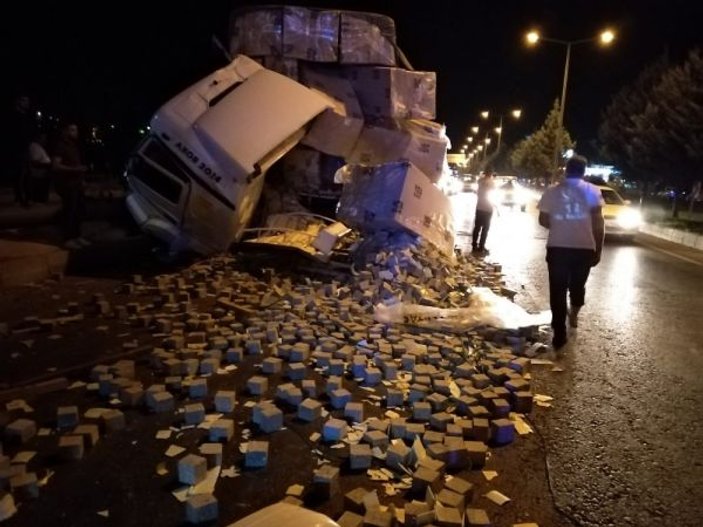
pixel 394 92
pixel 310 34
pixel 366 38
pixel 421 142
pixel 397 195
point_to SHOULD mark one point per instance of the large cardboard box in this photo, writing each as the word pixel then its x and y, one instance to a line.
pixel 257 32
pixel 421 142
pixel 394 92
pixel 337 129
pixel 366 38
pixel 310 34
pixel 394 196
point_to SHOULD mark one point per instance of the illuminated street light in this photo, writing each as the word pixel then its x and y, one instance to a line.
pixel 605 38
pixel 487 140
pixel 474 129
pixel 471 139
pixel 484 115
pixel 516 113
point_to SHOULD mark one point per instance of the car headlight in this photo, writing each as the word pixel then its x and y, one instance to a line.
pixel 629 219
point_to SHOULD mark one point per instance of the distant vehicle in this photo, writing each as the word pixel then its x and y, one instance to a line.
pixel 621 219
pixel 512 194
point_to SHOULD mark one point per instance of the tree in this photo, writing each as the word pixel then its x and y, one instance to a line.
pixel 654 128
pixel 534 156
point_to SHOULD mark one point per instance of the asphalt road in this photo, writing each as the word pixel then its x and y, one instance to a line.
pixel 625 434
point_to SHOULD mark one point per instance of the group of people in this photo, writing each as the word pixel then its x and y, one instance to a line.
pixel 572 210
pixel 35 168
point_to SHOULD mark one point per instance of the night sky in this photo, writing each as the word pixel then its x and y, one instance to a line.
pixel 118 61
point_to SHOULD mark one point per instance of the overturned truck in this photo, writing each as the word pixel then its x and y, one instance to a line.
pixel 315 99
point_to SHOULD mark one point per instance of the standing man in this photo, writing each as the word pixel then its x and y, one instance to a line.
pixel 572 210
pixel 484 212
pixel 69 170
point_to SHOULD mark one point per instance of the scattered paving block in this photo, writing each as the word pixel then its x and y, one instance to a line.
pixel 381 425
pixel 377 517
pixel 376 438
pixel 271 419
pixel 397 454
pixel 372 376
pixel 522 402
pixel 257 454
pixel 194 414
pixel 25 486
pixel 340 398
pixel 422 411
pixel 189 367
pixel 174 367
pixel 257 385
pixel 432 436
pixel 454 429
pixel 448 517
pixel 67 416
pixel 225 401
pixel 502 431
pixel 437 451
pixel 234 355
pixel 354 500
pixel 477 452
pixel 334 430
pixel 390 370
pixel 477 518
pixel 21 430
pixel 360 456
pixel 449 498
pixel 294 396
pixel 517 385
pixel 461 486
pixel 481 430
pixel 192 469
pixel 299 353
pixel 478 411
pixel 222 429
pixel 418 513
pixel 132 395
pixel 333 383
pixel 480 381
pixel 438 401
pixel 423 478
pixel 253 347
pixel 309 410
pixel 309 388
pixel 354 411
pixel 456 456
pixel 7 505
pixel 90 433
pixel 358 366
pixel 212 452
pixel 272 365
pixel 162 402
pixel 201 508
pixel 398 428
pixel 326 481
pixel 209 366
pixel 336 367
pixel 413 430
pixel 114 420
pixel 151 391
pixel 296 371
pixel 197 389
pixel 350 519
pixel 440 420
pixel 433 464
pixel 394 398
pixel 71 447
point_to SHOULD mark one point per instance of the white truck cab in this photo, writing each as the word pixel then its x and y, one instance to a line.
pixel 196 178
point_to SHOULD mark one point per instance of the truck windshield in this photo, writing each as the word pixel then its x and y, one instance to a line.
pixel 157 168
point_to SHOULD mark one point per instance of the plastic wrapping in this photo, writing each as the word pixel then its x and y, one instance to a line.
pixel 282 65
pixel 394 92
pixel 485 309
pixel 310 34
pixel 366 39
pixel 396 196
pixel 423 143
pixel 336 130
pixel 257 32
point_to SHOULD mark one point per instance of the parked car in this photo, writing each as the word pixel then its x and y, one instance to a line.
pixel 620 218
pixel 512 194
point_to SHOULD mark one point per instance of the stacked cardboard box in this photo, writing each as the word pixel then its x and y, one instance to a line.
pixel 379 114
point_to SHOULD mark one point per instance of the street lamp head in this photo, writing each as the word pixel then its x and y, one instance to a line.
pixel 532 38
pixel 470 139
pixel 488 140
pixel 499 129
pixel 484 114
pixel 474 129
pixel 606 37
pixel 517 113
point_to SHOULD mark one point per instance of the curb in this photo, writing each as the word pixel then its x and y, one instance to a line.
pixel 685 238
pixel 25 262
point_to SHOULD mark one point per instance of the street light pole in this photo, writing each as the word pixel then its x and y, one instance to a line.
pixel 563 86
